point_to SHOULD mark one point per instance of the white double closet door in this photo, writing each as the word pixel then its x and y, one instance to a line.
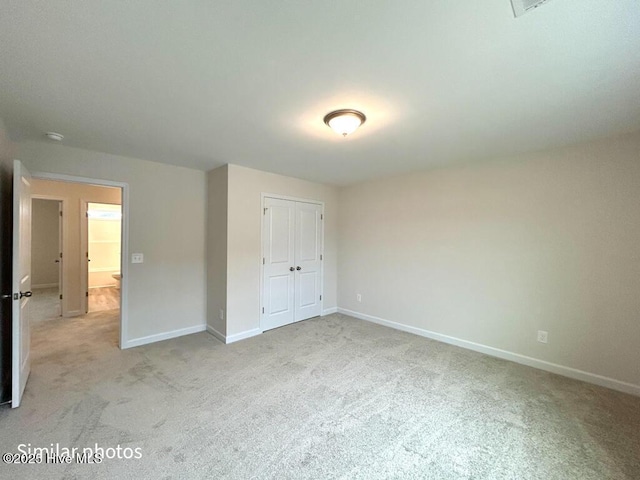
pixel 292 262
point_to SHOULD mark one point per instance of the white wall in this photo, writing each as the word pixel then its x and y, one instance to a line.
pixel 244 240
pixel 7 147
pixel 45 240
pixel 166 222
pixel 494 252
pixel 217 189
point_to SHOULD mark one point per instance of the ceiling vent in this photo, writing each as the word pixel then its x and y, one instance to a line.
pixel 520 7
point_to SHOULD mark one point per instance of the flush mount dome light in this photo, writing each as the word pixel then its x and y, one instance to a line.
pixel 345 121
pixel 56 137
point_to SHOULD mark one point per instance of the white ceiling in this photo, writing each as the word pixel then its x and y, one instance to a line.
pixel 203 83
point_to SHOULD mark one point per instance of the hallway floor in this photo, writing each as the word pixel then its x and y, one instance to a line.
pixel 45 302
pixel 104 298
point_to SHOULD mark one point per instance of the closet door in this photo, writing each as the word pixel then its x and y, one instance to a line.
pixel 279 263
pixel 292 262
pixel 308 248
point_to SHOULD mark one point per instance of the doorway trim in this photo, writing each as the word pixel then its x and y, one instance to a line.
pixel 263 197
pixel 124 270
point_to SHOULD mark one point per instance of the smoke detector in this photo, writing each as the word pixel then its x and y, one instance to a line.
pixel 520 7
pixel 54 136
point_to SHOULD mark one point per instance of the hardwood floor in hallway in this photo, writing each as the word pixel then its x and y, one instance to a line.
pixel 104 298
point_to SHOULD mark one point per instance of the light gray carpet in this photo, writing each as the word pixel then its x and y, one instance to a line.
pixel 332 397
pixel 45 304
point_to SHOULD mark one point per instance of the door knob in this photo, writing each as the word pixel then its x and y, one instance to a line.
pixel 291 269
pixel 26 294
pixel 298 268
pixel 57 261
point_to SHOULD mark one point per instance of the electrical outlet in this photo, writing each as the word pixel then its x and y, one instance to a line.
pixel 358 297
pixel 221 314
pixel 137 258
pixel 542 336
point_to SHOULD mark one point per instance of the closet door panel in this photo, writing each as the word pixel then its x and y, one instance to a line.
pixel 278 258
pixel 308 248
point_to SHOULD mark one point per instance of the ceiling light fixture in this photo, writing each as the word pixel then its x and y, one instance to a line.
pixel 345 121
pixel 54 136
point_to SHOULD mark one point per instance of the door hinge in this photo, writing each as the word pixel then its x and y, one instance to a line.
pixel 86 294
pixel 322 216
pixel 262 309
pixel 60 254
pixel 60 212
pixel 264 211
pixel 263 260
pixel 320 297
pixel 320 256
pixel 60 296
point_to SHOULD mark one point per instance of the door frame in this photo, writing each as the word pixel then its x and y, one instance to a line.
pixel 84 245
pixel 124 246
pixel 61 237
pixel 264 196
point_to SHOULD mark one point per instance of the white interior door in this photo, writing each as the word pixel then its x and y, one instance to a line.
pixel 59 259
pixel 292 262
pixel 308 248
pixel 21 338
pixel 279 263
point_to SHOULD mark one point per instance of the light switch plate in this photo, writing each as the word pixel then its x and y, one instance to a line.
pixel 137 258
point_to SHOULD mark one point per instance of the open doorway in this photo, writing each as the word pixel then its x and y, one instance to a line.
pixel 46 257
pixel 81 335
pixel 103 253
pixel 65 308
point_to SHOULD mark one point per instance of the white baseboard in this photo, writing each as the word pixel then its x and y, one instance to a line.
pixel 158 337
pixel 73 313
pixel 44 285
pixel 235 337
pixel 243 335
pixel 504 354
pixel 216 334
pixel 329 311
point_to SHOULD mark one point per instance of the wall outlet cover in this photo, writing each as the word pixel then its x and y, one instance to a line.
pixel 137 258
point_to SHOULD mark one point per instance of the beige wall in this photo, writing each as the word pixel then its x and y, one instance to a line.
pixel 217 188
pixel 244 240
pixel 166 223
pixel 494 252
pixel 45 240
pixel 73 194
